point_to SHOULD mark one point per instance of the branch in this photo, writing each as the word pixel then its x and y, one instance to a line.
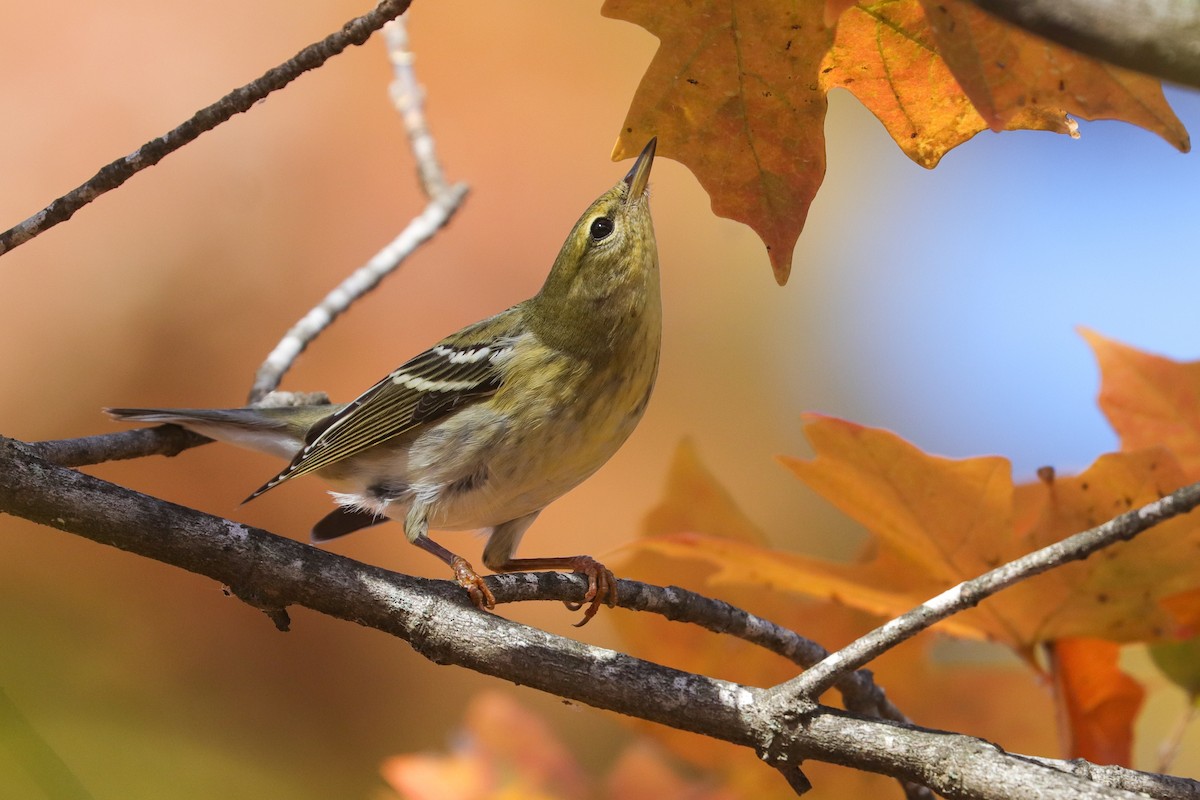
pixel 970 593
pixel 272 572
pixel 858 689
pixel 408 97
pixel 444 200
pixel 1163 787
pixel 162 440
pixel 358 283
pixel 354 32
pixel 1157 37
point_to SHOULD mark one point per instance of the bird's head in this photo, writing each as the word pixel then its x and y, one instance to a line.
pixel 607 271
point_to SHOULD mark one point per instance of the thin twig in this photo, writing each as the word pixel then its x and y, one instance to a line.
pixel 408 97
pixel 858 689
pixel 161 440
pixel 362 280
pixel 354 32
pixel 968 594
pixel 1150 784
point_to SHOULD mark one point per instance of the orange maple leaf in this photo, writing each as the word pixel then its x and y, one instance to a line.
pixel 1100 701
pixel 695 507
pixel 1150 400
pixel 734 93
pixel 938 521
pixel 737 92
pixel 1009 73
pixel 886 55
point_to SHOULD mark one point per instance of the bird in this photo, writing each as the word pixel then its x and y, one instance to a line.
pixel 494 422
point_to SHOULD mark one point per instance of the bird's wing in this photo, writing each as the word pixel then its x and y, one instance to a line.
pixel 457 370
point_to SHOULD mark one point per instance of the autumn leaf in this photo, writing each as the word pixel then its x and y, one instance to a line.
pixel 885 54
pixel 964 516
pixel 698 503
pixel 1100 701
pixel 1010 74
pixel 696 507
pixel 1150 400
pixel 937 521
pixel 737 92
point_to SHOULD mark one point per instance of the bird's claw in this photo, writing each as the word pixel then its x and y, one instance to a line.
pixel 602 588
pixel 470 580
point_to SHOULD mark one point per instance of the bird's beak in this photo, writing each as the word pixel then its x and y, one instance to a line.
pixel 639 174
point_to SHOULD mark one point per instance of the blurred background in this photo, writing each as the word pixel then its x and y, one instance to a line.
pixel 941 305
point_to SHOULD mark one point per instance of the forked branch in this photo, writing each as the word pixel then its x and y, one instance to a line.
pixel 272 572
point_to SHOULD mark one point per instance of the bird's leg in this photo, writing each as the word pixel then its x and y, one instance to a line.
pixel 503 540
pixel 602 584
pixel 464 573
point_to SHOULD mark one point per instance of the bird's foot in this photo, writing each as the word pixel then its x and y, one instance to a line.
pixel 470 580
pixel 602 587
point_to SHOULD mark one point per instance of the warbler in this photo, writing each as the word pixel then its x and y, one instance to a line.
pixel 487 427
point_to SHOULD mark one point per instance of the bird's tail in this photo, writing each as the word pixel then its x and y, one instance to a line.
pixel 276 431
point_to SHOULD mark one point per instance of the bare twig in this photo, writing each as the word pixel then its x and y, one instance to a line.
pixel 444 200
pixel 1158 37
pixel 969 593
pixel 361 281
pixel 161 440
pixel 439 622
pixel 354 32
pixel 408 96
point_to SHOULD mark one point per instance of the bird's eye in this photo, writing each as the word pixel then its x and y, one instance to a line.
pixel 601 227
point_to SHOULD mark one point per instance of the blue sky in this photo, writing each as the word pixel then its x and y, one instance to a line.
pixel 955 318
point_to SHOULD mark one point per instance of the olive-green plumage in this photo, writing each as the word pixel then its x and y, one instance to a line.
pixel 491 424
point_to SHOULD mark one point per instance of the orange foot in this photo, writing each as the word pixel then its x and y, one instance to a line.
pixel 469 579
pixel 602 586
